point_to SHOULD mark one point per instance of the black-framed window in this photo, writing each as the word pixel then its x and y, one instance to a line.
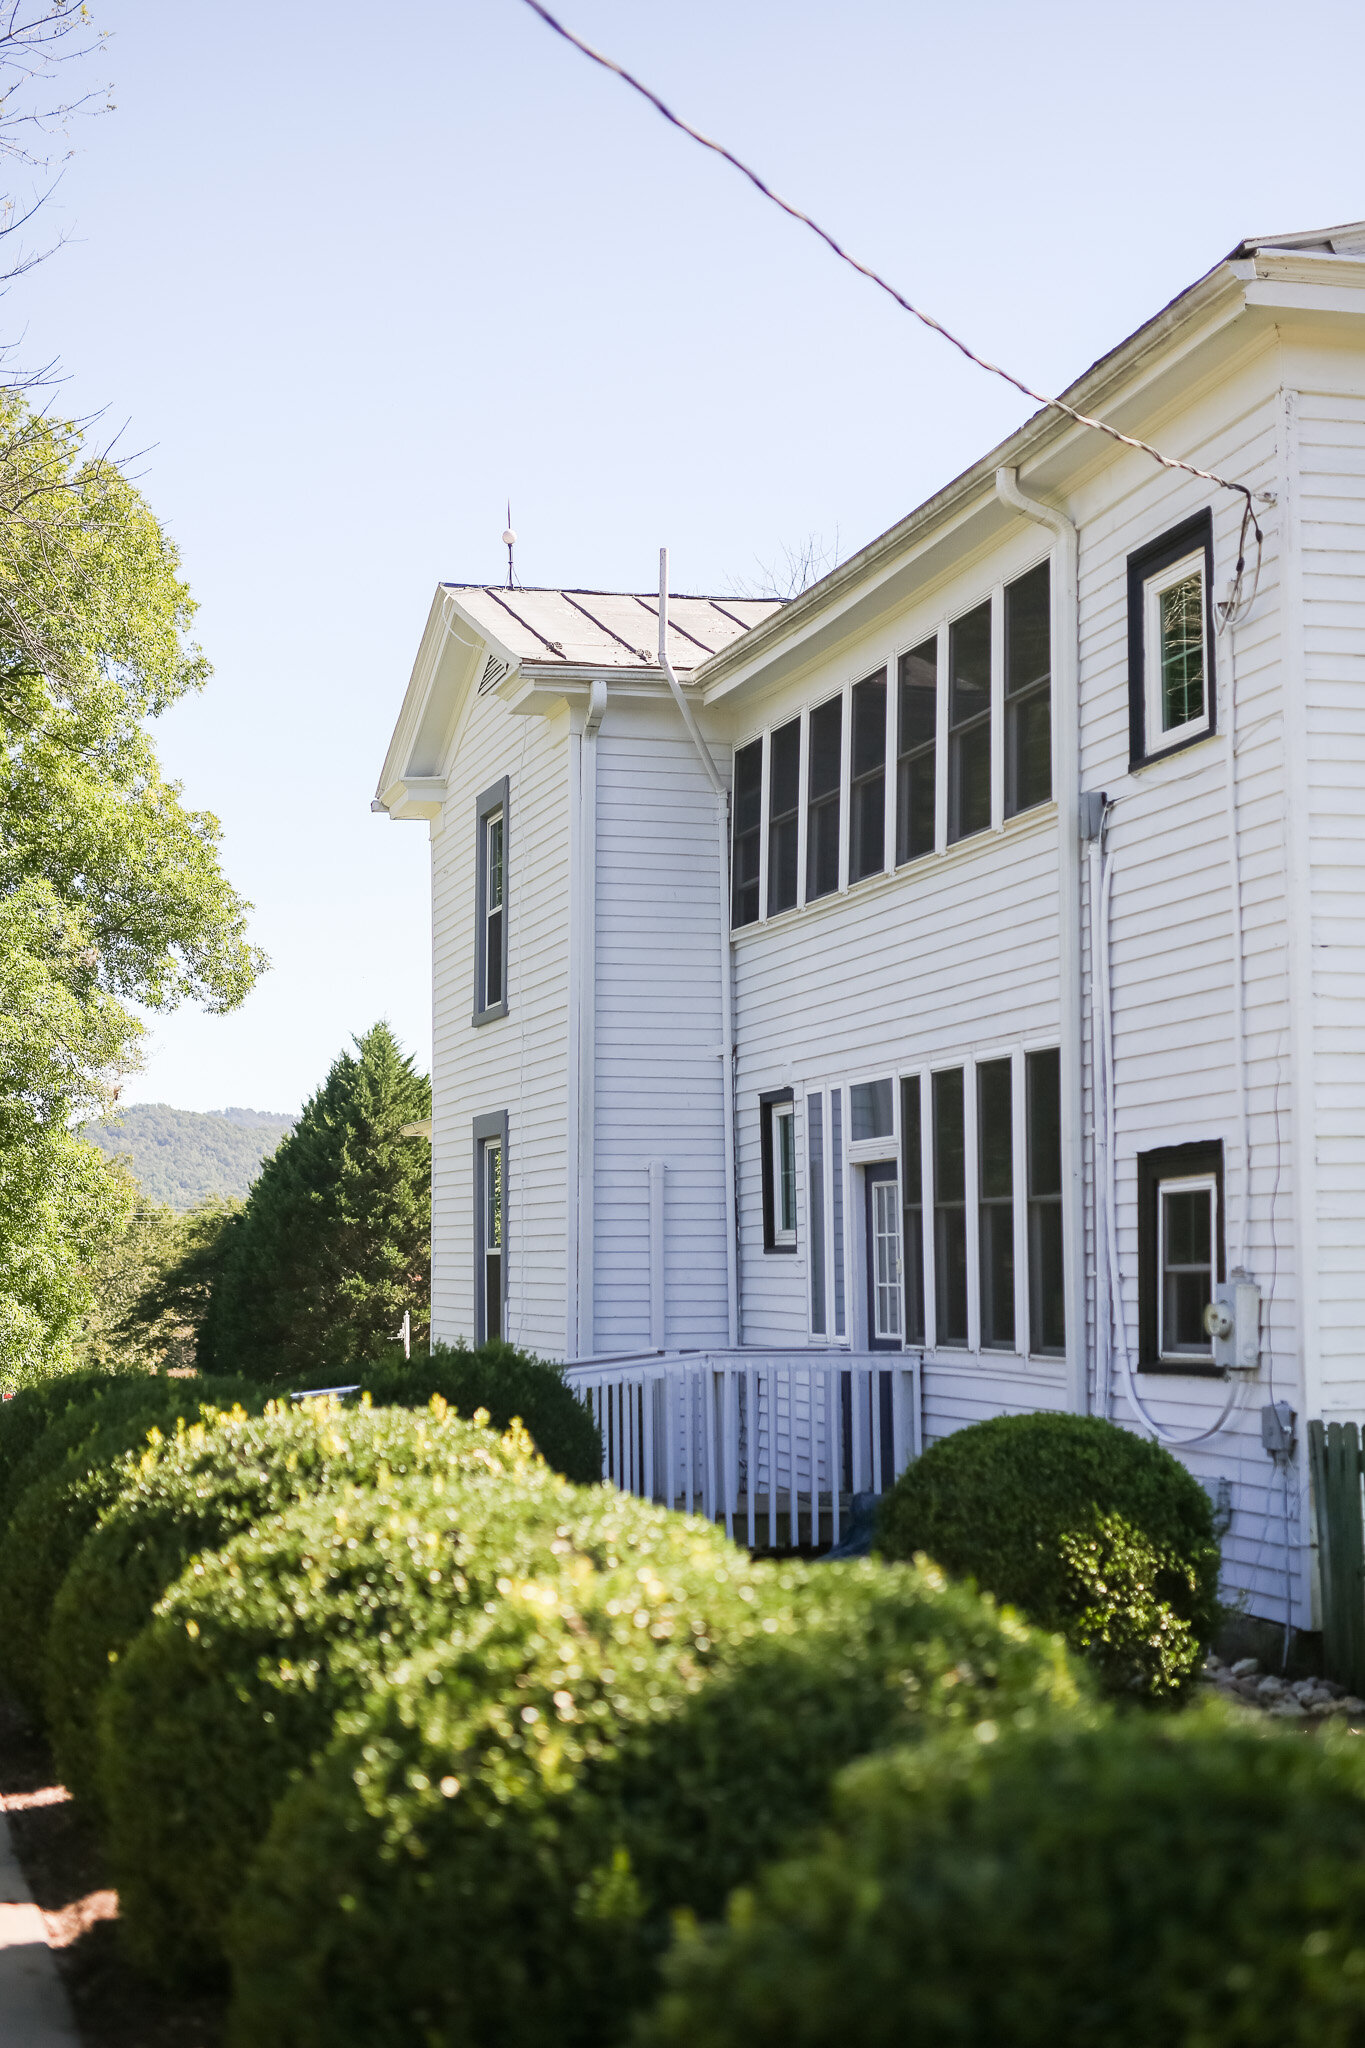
pixel 490 1226
pixel 777 1129
pixel 867 779
pixel 490 904
pixel 950 1208
pixel 912 1208
pixel 824 775
pixel 1046 1275
pixel 1172 694
pixel 746 832
pixel 995 1201
pixel 1180 1254
pixel 969 724
pixel 1028 691
pixel 784 816
pixel 916 746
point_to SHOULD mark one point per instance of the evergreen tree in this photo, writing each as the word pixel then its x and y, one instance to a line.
pixel 334 1243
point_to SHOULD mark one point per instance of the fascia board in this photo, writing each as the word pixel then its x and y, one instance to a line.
pixel 1115 381
pixel 539 689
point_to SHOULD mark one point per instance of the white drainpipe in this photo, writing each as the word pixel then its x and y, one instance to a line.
pixel 727 1031
pixel 1066 764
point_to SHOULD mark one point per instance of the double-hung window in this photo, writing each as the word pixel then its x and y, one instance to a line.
pixel 784 816
pixel 1028 691
pixel 950 1208
pixel 969 724
pixel 867 781
pixel 490 929
pixel 916 735
pixel 746 832
pixel 490 1226
pixel 1180 1254
pixel 1171 698
pixel 995 1201
pixel 824 777
pixel 912 1208
pixel 1046 1281
pixel 777 1114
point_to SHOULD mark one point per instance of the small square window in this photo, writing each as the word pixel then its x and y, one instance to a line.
pixel 777 1115
pixel 1171 691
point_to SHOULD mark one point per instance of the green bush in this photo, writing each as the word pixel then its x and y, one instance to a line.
pixel 235 1684
pixel 195 1491
pixel 511 1385
pixel 1085 1527
pixel 1173 1882
pixel 491 1851
pixel 33 1411
pixel 59 1490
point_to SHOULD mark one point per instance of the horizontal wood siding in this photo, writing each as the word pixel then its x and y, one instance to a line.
pixel 519 1062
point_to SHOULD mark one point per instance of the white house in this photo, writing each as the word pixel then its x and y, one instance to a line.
pixel 1020 1004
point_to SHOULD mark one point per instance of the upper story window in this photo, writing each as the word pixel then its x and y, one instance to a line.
pixel 824 776
pixel 784 816
pixel 969 724
pixel 867 781
pixel 916 750
pixel 746 832
pixel 490 931
pixel 1170 640
pixel 1028 691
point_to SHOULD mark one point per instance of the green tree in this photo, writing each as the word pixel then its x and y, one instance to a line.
pixel 334 1244
pixel 150 1286
pixel 111 891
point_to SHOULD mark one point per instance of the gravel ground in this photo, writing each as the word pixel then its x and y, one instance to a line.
pixel 1305 1699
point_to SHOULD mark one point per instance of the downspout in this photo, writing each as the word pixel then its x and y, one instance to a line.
pixel 727 1032
pixel 1066 732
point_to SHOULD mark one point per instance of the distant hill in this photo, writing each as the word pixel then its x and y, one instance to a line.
pixel 185 1156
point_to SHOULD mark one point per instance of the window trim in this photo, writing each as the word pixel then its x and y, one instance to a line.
pixel 775 1239
pixel 485 1129
pixel 1145 567
pixel 1201 1161
pixel 487 806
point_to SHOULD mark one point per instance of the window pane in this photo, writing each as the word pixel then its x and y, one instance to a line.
pixel 867 822
pixel 1028 630
pixel 1045 1122
pixel 912 1195
pixel 915 784
pixel 950 1209
pixel 918 697
pixel 995 1170
pixel 1187 1218
pixel 784 1123
pixel 822 814
pixel 784 792
pixel 969 724
pixel 1046 1279
pixel 495 863
pixel 1182 652
pixel 1189 1235
pixel 492 961
pixel 915 730
pixel 826 748
pixel 492 1228
pixel 1046 1285
pixel 872 1110
pixel 746 827
pixel 869 725
pixel 836 1146
pixel 815 1196
pixel 995 1128
pixel 969 666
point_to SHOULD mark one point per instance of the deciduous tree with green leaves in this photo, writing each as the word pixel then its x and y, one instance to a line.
pixel 111 889
pixel 334 1244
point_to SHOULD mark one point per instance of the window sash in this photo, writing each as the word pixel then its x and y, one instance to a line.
pixel 969 724
pixel 912 1208
pixel 867 780
pixel 1185 1285
pixel 950 1209
pixel 493 1223
pixel 746 833
pixel 1028 690
pixel 1046 1276
pixel 493 911
pixel 886 1262
pixel 995 1201
pixel 784 1173
pixel 784 816
pixel 824 776
pixel 1176 662
pixel 916 751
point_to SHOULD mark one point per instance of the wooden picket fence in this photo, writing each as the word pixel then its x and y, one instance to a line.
pixel 1335 1455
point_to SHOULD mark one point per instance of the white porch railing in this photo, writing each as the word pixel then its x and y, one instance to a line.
pixel 772 1443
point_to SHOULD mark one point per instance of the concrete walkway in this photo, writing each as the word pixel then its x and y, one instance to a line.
pixel 34 2012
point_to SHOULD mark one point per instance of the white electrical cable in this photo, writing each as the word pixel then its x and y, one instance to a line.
pixel 1229 626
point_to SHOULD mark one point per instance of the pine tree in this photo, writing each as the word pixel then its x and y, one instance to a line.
pixel 334 1243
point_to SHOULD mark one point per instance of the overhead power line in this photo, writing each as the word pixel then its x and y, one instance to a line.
pixel 1082 419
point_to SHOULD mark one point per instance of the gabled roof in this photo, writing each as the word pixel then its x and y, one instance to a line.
pixel 604 628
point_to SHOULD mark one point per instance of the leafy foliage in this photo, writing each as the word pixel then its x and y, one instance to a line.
pixel 334 1243
pixel 185 1158
pixel 111 891
pixel 1145 1880
pixel 34 1410
pixel 510 1385
pixel 491 1851
pixel 1083 1526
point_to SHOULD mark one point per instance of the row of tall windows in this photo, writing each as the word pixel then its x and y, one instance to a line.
pixel 943 694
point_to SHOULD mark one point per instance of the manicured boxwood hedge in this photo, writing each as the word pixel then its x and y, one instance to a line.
pixel 511 1385
pixel 60 1488
pixel 1160 1882
pixel 235 1683
pixel 32 1410
pixel 1085 1527
pixel 491 1851
pixel 196 1490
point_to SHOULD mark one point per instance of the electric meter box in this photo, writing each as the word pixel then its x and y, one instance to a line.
pixel 1233 1321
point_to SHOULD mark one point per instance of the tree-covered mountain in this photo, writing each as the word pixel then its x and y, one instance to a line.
pixel 184 1156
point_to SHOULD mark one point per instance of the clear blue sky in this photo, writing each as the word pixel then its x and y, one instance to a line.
pixel 352 275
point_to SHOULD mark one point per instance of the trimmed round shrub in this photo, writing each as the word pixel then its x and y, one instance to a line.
pixel 1084 1527
pixel 491 1852
pixel 513 1386
pixel 235 1683
pixel 196 1490
pixel 68 1477
pixel 1161 1882
pixel 31 1411
pixel 43 1423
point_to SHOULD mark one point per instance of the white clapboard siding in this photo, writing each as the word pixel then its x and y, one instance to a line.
pixel 658 1073
pixel 518 1063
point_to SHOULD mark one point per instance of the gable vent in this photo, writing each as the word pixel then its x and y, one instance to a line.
pixel 493 673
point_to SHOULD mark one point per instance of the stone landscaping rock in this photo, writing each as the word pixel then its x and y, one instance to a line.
pixel 1245 1666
